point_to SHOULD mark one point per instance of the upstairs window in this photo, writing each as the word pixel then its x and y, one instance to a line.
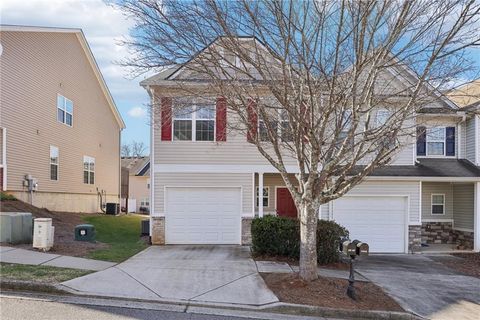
pixel 436 141
pixel 64 110
pixel 53 163
pixel 88 170
pixel 285 131
pixel 382 117
pixel 194 123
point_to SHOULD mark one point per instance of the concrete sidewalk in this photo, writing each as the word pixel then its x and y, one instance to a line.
pixel 214 274
pixel 22 256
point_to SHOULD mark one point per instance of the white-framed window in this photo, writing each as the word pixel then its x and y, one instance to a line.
pixel 381 117
pixel 64 110
pixel 88 170
pixel 53 163
pixel 285 131
pixel 194 123
pixel 436 137
pixel 265 198
pixel 145 202
pixel 438 203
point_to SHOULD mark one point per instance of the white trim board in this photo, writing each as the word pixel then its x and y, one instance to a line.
pixel 219 168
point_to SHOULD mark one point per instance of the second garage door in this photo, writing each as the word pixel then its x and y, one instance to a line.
pixel 203 215
pixel 379 221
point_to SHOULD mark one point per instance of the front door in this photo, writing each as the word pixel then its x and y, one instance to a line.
pixel 285 204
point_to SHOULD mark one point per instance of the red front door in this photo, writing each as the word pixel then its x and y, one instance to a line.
pixel 285 205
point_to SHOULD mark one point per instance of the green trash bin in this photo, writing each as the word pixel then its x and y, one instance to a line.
pixel 85 232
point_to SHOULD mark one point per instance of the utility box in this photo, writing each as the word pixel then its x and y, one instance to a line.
pixel 85 232
pixel 16 227
pixel 145 227
pixel 112 208
pixel 43 233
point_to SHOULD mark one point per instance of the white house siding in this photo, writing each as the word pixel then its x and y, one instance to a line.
pixel 471 140
pixel 243 180
pixel 437 187
pixel 463 204
pixel 1 146
pixel 477 139
pixel 386 188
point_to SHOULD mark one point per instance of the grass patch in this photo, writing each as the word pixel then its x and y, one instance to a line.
pixel 5 196
pixel 122 233
pixel 44 274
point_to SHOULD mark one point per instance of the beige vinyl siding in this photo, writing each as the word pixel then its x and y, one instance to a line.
pixel 386 188
pixel 138 189
pixel 324 211
pixel 463 205
pixel 1 144
pixel 34 68
pixel 428 188
pixel 477 139
pixel 471 140
pixel 462 146
pixel 243 180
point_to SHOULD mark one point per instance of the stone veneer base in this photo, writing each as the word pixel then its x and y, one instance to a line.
pixel 414 238
pixel 437 232
pixel 463 239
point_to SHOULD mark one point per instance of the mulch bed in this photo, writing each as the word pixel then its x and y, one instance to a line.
pixel 64 223
pixel 328 292
pixel 469 264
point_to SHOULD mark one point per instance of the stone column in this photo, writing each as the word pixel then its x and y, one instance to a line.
pixel 158 230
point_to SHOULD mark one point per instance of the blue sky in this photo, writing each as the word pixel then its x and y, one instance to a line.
pixel 103 27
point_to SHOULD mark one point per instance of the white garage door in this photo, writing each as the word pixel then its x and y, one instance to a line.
pixel 378 221
pixel 203 215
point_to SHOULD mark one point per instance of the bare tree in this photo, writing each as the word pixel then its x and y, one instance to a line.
pixel 126 150
pixel 134 149
pixel 314 74
pixel 138 149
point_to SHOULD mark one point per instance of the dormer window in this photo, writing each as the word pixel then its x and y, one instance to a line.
pixel 436 141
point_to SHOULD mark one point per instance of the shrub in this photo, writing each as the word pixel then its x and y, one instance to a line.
pixel 280 236
pixel 5 196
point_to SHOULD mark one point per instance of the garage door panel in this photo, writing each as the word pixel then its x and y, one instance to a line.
pixel 203 216
pixel 379 221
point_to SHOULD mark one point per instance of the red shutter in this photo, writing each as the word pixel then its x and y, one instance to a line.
pixel 252 120
pixel 166 118
pixel 221 119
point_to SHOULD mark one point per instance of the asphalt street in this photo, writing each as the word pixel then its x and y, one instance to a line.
pixel 19 307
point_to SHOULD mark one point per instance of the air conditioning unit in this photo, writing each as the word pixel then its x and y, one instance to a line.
pixel 43 233
pixel 145 227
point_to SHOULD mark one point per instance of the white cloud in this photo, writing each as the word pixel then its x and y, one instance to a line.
pixel 137 112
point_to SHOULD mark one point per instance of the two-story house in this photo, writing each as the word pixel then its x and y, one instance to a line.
pixel 208 185
pixel 59 126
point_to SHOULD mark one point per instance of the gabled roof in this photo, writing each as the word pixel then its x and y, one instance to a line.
pixel 88 53
pixel 137 166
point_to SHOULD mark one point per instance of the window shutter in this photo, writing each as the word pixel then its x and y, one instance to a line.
pixel 252 121
pixel 421 141
pixel 450 141
pixel 166 118
pixel 221 119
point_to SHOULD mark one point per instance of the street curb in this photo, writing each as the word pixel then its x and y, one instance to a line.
pixel 279 308
pixel 299 309
pixel 21 285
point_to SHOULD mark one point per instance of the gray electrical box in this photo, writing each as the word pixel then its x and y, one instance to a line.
pixel 16 227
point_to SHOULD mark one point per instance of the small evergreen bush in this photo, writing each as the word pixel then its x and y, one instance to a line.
pixel 280 236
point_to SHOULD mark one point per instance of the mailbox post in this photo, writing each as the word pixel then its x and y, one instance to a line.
pixel 353 249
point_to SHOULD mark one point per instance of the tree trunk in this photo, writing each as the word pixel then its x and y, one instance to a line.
pixel 308 242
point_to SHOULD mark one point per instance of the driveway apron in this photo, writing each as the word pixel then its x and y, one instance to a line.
pixel 423 286
pixel 220 274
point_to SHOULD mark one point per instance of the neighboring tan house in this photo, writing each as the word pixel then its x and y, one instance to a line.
pixel 59 125
pixel 138 183
pixel 206 192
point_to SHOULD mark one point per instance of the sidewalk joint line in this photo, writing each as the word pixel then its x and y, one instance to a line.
pixel 49 260
pixel 143 285
pixel 223 285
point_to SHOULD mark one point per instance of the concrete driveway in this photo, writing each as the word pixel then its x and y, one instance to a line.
pixel 220 274
pixel 423 286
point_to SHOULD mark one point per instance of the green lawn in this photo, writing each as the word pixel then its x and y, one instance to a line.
pixel 45 274
pixel 122 233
